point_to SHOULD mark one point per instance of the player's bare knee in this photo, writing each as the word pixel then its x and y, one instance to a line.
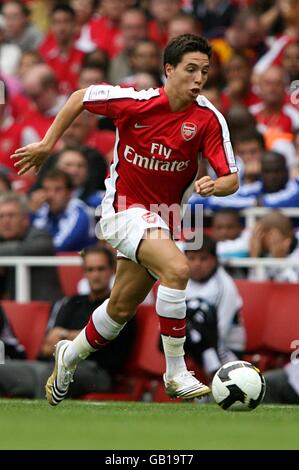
pixel 176 275
pixel 119 311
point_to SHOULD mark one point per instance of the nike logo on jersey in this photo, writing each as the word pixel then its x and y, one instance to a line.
pixel 177 329
pixel 140 126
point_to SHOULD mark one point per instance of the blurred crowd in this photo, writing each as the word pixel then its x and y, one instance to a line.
pixel 49 49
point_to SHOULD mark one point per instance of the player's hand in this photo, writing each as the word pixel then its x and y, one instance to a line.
pixel 205 186
pixel 31 156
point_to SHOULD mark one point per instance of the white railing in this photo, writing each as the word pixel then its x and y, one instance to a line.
pixel 261 265
pixel 253 213
pixel 22 265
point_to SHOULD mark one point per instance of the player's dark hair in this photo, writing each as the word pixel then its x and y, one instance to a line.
pixel 99 250
pixel 65 8
pixel 208 245
pixel 183 44
pixel 57 174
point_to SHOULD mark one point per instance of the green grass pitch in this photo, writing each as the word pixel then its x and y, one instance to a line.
pixel 29 424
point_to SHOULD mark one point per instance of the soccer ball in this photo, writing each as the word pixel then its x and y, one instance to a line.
pixel 238 385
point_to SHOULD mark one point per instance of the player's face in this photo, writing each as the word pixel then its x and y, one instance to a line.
pixel 189 76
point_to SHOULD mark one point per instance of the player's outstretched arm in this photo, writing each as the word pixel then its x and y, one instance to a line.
pixel 34 155
pixel 222 186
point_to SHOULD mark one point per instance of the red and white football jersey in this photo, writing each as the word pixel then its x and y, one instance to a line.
pixel 156 150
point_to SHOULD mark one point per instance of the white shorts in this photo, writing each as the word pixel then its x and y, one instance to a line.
pixel 125 230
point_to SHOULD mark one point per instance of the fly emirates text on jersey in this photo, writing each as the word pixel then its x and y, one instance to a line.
pixel 152 163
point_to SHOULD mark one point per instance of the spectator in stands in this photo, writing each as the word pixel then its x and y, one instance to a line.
pixel 273 236
pixel 66 219
pixel 84 10
pixel 272 114
pixel 11 133
pixel 289 11
pixel 249 146
pixel 239 118
pixel 69 316
pixel 18 238
pixel 27 61
pixel 9 53
pixel 105 30
pixel 236 38
pixel 274 190
pixel 98 58
pixel 227 230
pixel 74 162
pixel 146 57
pixel 290 61
pixel 213 310
pixel 183 23
pixel 134 29
pixel 277 189
pixel 282 385
pixel 238 89
pixel 59 51
pixel 41 87
pixel 163 11
pixel 19 30
pixel 91 74
pixel 214 16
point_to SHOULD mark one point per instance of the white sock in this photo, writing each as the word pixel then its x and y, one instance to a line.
pixel 174 355
pixel 171 308
pixel 77 350
pixel 101 329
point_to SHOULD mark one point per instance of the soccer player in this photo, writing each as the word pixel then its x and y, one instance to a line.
pixel 160 133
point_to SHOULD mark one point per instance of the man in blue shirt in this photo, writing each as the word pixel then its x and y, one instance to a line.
pixel 68 220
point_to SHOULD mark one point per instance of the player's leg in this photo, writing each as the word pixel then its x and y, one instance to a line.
pixel 131 286
pixel 163 257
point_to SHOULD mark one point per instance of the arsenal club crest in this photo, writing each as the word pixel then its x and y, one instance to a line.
pixel 188 130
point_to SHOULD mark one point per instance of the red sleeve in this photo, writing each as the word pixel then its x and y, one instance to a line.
pixel 108 100
pixel 217 148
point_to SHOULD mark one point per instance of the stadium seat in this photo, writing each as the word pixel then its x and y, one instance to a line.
pixel 271 321
pixel 69 276
pixel 28 322
pixel 282 325
pixel 255 297
pixel 147 356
